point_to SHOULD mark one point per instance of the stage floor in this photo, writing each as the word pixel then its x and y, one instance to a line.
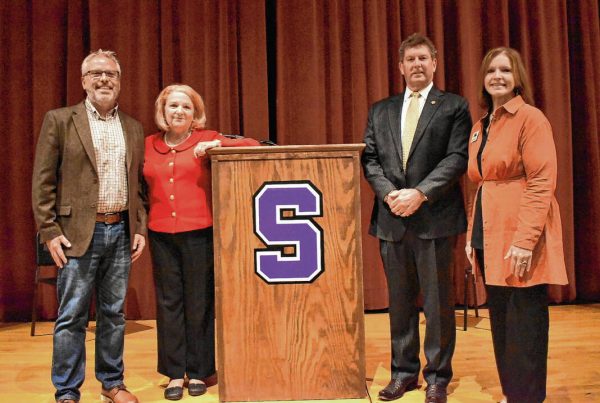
pixel 573 366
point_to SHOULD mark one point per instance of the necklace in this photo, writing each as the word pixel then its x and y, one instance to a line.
pixel 172 145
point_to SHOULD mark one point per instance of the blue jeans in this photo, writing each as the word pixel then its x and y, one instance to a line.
pixel 105 268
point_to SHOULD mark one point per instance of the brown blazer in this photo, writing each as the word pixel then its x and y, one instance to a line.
pixel 65 177
pixel 518 205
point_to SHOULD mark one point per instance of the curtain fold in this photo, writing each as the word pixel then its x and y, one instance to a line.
pixel 310 81
pixel 583 60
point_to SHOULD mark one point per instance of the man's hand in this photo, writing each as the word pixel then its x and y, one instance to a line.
pixel 139 242
pixel 406 202
pixel 389 198
pixel 55 248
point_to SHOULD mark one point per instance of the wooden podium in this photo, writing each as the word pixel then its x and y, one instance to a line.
pixel 288 272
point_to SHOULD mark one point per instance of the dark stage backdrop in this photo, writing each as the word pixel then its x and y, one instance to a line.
pixel 297 72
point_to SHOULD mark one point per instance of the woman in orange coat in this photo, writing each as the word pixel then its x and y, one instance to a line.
pixel 514 234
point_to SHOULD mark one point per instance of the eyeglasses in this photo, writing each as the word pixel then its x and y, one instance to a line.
pixel 97 74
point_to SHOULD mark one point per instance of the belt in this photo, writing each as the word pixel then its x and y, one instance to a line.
pixel 111 218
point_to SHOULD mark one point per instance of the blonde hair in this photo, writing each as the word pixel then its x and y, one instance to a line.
pixel 199 120
pixel 522 86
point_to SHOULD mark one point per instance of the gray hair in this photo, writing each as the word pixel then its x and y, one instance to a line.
pixel 109 54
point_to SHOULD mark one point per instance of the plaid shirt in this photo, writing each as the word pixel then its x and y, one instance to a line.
pixel 109 146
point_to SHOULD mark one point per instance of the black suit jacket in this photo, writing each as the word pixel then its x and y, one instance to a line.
pixel 437 159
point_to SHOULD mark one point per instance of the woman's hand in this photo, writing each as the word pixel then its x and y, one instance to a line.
pixel 520 260
pixel 470 254
pixel 139 242
pixel 202 146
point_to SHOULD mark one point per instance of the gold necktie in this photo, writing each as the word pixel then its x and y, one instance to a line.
pixel 410 126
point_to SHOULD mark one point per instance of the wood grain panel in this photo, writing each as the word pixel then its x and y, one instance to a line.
pixel 289 341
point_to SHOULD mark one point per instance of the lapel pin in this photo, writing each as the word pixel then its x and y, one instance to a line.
pixel 475 136
pixel 432 102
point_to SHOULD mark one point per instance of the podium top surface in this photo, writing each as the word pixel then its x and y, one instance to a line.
pixel 286 149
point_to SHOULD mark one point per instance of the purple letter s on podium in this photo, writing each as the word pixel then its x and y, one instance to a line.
pixel 299 231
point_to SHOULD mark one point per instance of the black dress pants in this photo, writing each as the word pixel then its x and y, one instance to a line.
pixel 414 265
pixel 520 323
pixel 183 267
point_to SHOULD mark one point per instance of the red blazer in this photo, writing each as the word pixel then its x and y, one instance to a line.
pixel 179 184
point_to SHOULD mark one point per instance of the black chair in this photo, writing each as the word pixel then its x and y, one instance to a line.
pixel 42 259
pixel 469 282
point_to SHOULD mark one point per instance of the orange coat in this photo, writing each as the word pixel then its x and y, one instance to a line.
pixel 518 204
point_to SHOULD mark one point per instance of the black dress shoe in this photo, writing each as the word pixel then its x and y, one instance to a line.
pixel 196 389
pixel 436 394
pixel 174 393
pixel 397 388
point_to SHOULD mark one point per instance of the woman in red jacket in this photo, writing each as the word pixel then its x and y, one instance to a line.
pixel 514 234
pixel 177 174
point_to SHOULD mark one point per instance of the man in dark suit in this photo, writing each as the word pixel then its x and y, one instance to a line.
pixel 416 150
pixel 87 204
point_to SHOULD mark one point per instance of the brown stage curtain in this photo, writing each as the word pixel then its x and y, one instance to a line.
pixel 345 58
pixel 217 47
pixel 298 72
pixel 584 59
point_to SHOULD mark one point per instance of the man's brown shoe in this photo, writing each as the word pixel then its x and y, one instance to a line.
pixel 397 388
pixel 436 394
pixel 118 394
